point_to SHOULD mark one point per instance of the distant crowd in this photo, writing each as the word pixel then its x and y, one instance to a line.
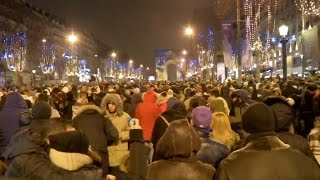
pixel 162 130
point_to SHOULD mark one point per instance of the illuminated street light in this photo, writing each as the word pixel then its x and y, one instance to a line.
pixel 183 60
pixel 141 66
pixel 148 68
pixel 72 38
pixel 95 55
pixel 189 31
pixel 203 52
pixel 283 30
pixel 184 52
pixel 44 40
pixel 113 55
pixel 130 61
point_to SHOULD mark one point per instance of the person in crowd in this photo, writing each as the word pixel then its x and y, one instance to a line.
pixel 45 98
pixel 290 90
pixel 69 151
pixel 276 91
pixel 148 112
pixel 314 139
pixel 162 101
pixel 27 152
pixel 219 105
pixel 221 130
pixel 176 110
pixel 213 94
pixel 176 149
pixel 10 118
pixel 265 152
pixel 212 151
pixel 99 130
pixel 118 151
pixel 284 125
pixel 136 98
pixel 308 108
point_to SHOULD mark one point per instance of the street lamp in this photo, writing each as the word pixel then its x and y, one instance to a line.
pixel 130 61
pixel 113 54
pixel 72 38
pixel 44 40
pixel 283 31
pixel 34 77
pixel 184 52
pixel 189 31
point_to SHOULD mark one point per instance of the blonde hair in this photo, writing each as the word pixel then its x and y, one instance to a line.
pixel 221 129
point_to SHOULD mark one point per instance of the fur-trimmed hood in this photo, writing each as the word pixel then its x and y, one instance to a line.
pixel 69 161
pixel 115 98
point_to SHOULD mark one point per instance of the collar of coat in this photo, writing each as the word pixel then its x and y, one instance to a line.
pixel 69 161
pixel 264 142
pixel 89 107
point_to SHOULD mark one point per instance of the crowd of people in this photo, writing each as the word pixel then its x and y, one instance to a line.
pixel 162 130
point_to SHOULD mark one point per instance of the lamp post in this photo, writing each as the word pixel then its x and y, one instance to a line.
pixel 283 31
pixel 34 77
pixel 72 63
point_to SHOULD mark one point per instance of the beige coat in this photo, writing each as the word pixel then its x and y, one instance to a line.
pixel 118 152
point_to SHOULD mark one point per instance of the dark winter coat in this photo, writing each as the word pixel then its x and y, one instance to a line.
pixel 211 152
pixel 176 148
pixel 30 160
pixel 99 130
pixel 136 98
pixel 266 157
pixel 161 126
pixel 284 119
pixel 288 91
pixel 9 118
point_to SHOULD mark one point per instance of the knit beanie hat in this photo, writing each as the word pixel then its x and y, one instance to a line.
pixel 258 118
pixel 70 141
pixel 41 110
pixel 202 117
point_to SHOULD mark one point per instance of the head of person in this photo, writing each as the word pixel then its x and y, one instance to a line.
pixel 202 118
pixel 221 129
pixel 258 118
pixel 112 104
pixel 276 91
pixel 179 141
pixel 214 93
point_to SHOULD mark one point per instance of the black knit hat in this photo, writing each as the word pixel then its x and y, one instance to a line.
pixel 41 110
pixel 70 141
pixel 258 118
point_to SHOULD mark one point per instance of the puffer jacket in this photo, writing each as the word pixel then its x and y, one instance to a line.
pixel 177 148
pixel 148 112
pixel 28 157
pixel 284 119
pixel 118 151
pixel 266 157
pixel 212 152
pixel 9 118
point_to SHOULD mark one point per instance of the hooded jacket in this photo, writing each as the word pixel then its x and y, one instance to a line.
pixel 266 157
pixel 99 130
pixel 9 118
pixel 147 112
pixel 284 119
pixel 29 159
pixel 118 151
pixel 177 148
pixel 177 112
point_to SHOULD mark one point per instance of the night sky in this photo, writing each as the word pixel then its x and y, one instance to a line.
pixel 134 26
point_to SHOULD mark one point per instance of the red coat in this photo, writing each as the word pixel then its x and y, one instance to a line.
pixel 148 112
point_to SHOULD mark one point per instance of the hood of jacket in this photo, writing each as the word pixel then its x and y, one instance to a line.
pixel 283 113
pixel 23 142
pixel 178 141
pixel 115 98
pixel 136 98
pixel 150 97
pixel 89 109
pixel 69 161
pixel 15 100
